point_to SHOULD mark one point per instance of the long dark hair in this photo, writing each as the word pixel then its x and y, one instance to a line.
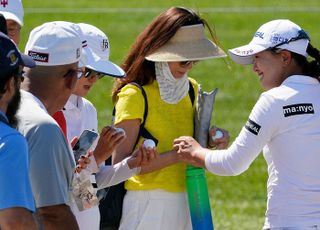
pixel 154 36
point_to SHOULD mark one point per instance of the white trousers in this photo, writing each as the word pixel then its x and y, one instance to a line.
pixel 155 210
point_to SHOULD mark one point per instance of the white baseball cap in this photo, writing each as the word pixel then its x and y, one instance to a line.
pixel 281 34
pixel 12 9
pixel 96 50
pixel 54 43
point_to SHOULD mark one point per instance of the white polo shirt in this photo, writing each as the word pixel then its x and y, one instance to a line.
pixel 285 123
pixel 80 114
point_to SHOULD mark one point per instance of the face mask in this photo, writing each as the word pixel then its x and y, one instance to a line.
pixel 172 90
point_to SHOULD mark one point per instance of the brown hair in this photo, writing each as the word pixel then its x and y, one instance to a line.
pixel 155 35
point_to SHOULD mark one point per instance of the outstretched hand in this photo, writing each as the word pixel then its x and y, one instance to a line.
pixel 189 151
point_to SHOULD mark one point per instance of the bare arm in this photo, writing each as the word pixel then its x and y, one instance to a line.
pixel 124 150
pixel 57 217
pixel 163 160
pixel 16 219
pixel 131 128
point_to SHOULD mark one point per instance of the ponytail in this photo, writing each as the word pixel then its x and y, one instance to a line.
pixel 313 69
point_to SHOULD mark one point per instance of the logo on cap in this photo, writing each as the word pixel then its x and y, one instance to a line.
pixel 259 34
pixel 244 52
pixel 13 58
pixel 104 44
pixel 277 38
pixel 4 3
pixel 40 57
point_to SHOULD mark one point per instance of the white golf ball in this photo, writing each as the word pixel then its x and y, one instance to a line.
pixel 148 143
pixel 218 135
pixel 120 130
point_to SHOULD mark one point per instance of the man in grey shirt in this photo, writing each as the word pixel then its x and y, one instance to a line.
pixel 56 48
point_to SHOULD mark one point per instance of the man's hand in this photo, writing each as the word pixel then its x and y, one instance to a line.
pixel 108 141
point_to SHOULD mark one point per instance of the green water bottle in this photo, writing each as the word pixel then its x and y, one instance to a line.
pixel 198 198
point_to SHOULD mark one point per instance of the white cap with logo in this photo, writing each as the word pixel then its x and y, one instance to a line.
pixel 280 34
pixel 12 9
pixel 54 43
pixel 95 53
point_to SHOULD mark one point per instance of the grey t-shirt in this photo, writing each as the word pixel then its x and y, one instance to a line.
pixel 51 159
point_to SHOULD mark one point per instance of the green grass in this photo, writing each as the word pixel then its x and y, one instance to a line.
pixel 237 202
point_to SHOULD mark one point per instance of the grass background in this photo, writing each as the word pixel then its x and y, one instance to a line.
pixel 237 202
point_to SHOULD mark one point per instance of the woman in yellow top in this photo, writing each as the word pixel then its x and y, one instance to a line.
pixel 159 60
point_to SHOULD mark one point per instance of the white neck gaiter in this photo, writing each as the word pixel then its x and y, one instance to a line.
pixel 172 90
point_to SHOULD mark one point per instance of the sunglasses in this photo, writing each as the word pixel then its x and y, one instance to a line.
pixel 187 63
pixel 301 35
pixel 90 74
pixel 74 72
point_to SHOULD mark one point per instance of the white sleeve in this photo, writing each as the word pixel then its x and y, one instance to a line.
pixel 109 175
pixel 261 126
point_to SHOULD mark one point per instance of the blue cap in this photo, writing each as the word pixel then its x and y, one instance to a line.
pixel 11 58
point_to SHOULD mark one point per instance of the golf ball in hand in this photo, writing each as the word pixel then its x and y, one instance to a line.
pixel 148 143
pixel 120 130
pixel 218 135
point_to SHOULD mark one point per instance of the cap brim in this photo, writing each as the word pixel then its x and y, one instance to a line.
pixel 244 54
pixel 107 67
pixel 11 16
pixel 27 61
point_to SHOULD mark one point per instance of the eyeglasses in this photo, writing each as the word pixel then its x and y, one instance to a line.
pixel 187 63
pixel 90 74
pixel 301 35
pixel 74 72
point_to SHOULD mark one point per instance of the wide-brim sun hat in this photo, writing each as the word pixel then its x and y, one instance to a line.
pixel 188 44
pixel 96 51
pixel 280 34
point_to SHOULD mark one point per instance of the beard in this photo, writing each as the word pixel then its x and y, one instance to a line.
pixel 13 107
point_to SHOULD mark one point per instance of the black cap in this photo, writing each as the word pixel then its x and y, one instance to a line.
pixel 3 24
pixel 11 58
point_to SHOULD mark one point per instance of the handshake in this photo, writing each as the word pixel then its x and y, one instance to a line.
pixel 191 152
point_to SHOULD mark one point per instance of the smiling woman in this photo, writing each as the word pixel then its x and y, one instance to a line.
pixel 283 123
